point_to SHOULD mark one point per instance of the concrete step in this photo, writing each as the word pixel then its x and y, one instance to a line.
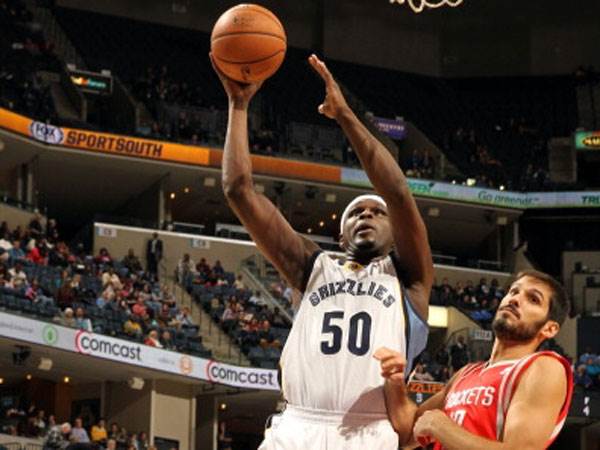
pixel 63 105
pixel 213 338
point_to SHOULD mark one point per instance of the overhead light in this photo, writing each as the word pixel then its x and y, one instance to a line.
pixel 433 212
pixel 333 216
pixel 321 224
pixel 502 220
pixel 1 380
pixel 28 376
pixel 45 364
pixel 136 383
pixel 309 230
pixel 223 406
pixel 502 187
pixel 471 181
pixel 67 379
pixel 210 181
pixel 186 190
pixel 172 196
pixel 330 197
pixel 260 188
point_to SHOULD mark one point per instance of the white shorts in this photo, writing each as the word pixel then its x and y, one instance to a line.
pixel 309 429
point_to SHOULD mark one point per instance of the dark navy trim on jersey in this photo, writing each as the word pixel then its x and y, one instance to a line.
pixel 310 264
pixel 416 329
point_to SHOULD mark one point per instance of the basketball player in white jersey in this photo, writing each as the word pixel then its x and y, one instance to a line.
pixel 377 296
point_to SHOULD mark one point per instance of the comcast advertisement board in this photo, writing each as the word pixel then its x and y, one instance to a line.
pixel 91 345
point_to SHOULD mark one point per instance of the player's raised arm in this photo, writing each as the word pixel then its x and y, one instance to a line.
pixel 287 250
pixel 408 229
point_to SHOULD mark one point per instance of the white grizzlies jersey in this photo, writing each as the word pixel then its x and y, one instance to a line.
pixel 347 312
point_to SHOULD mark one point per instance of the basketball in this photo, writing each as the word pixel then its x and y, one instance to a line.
pixel 248 43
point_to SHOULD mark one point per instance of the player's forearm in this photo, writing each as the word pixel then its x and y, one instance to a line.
pixel 237 165
pixel 384 173
pixel 454 437
pixel 401 411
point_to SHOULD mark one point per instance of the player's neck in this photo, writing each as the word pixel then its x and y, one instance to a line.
pixel 504 350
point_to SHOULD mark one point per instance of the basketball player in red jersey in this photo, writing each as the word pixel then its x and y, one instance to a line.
pixel 518 399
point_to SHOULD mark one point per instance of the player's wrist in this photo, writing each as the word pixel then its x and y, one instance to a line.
pixel 238 103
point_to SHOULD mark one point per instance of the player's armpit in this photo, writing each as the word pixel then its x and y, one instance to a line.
pixel 541 394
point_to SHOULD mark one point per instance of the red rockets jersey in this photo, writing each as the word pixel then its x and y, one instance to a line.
pixel 480 396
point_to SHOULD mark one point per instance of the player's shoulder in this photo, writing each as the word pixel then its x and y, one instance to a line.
pixel 545 370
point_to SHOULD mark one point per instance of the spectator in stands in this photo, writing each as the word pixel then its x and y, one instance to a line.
pixel 459 354
pixel 224 440
pixel 143 441
pixel 78 433
pixel 111 444
pixel 65 295
pixel 582 378
pixel 167 341
pixel 132 262
pixel 256 299
pixel 66 318
pixel 152 339
pixel 185 267
pixel 266 337
pixel 443 375
pixel 278 319
pixel 57 438
pixel 154 253
pixel 103 301
pixel 230 316
pixel 38 424
pixel 38 253
pixel 420 374
pixel 82 322
pixel 139 308
pixel 35 228
pixel 4 276
pixel 593 370
pixel 114 431
pixel 52 231
pixel 109 276
pixel 132 327
pixel 103 257
pixel 18 276
pixel 202 267
pixel 16 253
pixel 218 269
pixel 98 432
pixel 239 283
pixel 184 318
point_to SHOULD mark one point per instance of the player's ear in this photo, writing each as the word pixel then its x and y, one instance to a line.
pixel 550 329
pixel 342 241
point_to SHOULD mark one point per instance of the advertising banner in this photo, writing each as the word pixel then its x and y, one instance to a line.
pixel 587 140
pixel 394 128
pixel 128 352
pixel 492 197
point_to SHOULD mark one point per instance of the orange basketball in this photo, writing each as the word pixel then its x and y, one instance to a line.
pixel 248 43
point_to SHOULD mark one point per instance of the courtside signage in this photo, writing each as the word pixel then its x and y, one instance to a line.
pixel 95 345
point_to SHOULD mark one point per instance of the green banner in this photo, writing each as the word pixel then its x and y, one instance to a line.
pixel 587 140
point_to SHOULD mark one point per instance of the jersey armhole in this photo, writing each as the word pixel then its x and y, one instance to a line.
pixel 308 268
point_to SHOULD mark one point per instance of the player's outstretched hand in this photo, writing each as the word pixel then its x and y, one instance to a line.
pixel 239 93
pixel 334 102
pixel 392 365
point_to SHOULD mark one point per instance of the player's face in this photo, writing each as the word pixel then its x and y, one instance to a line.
pixel 523 313
pixel 367 229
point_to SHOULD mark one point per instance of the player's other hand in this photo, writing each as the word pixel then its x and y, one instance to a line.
pixel 427 425
pixel 392 365
pixel 334 103
pixel 239 94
